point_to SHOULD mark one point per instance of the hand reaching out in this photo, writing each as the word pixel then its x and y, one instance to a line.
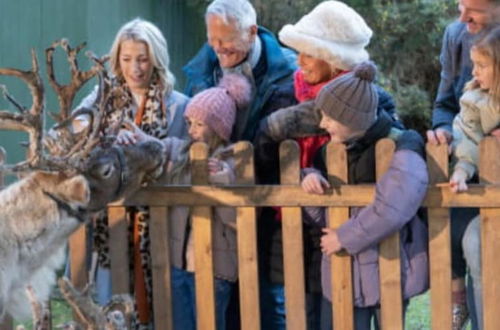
pixel 314 183
pixel 131 134
pixel 458 180
pixel 215 165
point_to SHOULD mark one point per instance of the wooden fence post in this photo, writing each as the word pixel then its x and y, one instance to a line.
pixel 246 224
pixel 293 241
pixel 202 240
pixel 489 172
pixel 160 264
pixel 389 253
pixel 341 267
pixel 118 249
pixel 439 243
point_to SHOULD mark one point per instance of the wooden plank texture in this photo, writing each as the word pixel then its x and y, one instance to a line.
pixel 78 249
pixel 246 224
pixel 438 195
pixel 118 250
pixel 489 172
pixel 341 268
pixel 389 254
pixel 160 263
pixel 439 243
pixel 202 240
pixel 293 251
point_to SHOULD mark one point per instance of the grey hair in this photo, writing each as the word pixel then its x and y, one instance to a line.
pixel 144 31
pixel 240 12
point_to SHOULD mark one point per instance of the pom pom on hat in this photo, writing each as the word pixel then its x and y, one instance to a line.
pixel 217 106
pixel 351 99
pixel 366 71
pixel 333 32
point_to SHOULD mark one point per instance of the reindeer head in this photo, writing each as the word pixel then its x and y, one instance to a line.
pixel 119 171
pixel 112 171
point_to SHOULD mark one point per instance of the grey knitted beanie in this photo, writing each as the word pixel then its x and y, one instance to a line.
pixel 351 99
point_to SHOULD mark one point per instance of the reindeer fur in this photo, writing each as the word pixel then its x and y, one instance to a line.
pixel 33 235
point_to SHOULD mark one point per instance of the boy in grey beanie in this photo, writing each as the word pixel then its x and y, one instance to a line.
pixel 348 104
pixel 348 107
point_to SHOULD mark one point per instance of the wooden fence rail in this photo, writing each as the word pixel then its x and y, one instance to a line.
pixel 246 196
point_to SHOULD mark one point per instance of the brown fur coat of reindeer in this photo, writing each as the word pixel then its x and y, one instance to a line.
pixel 40 211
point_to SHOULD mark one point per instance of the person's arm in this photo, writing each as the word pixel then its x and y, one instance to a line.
pixel 446 104
pixel 467 134
pixel 82 121
pixel 222 172
pixel 399 194
pixel 313 182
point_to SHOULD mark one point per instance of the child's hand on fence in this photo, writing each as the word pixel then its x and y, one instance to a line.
pixel 314 183
pixel 458 180
pixel 330 241
pixel 214 165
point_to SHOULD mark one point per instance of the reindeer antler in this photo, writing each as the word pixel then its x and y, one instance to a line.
pixel 70 147
pixel 30 121
pixel 66 93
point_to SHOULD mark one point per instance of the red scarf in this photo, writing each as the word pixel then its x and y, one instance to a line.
pixel 305 92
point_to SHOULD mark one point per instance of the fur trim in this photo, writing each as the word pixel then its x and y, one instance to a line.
pixel 333 32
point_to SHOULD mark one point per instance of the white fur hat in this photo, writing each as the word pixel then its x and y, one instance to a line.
pixel 333 32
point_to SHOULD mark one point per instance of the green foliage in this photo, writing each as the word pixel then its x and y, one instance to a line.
pixel 406 46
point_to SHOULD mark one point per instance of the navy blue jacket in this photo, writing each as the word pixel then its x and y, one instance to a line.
pixel 274 79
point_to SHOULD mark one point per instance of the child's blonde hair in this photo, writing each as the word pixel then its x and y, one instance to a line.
pixel 488 44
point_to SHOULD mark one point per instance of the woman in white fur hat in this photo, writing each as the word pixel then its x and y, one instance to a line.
pixel 331 41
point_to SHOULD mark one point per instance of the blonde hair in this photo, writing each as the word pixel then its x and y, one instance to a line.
pixel 488 44
pixel 144 31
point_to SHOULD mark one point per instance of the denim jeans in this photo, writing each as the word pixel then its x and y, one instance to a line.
pixel 272 305
pixel 184 300
pixel 472 251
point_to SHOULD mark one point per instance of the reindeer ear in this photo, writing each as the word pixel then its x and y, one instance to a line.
pixel 74 190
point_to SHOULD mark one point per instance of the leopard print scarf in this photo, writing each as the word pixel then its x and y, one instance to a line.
pixel 121 106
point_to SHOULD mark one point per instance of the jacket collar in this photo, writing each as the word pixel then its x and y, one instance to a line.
pixel 201 67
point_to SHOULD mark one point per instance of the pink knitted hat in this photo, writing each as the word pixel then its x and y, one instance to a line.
pixel 216 106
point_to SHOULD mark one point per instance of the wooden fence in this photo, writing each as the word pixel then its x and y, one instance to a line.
pixel 246 197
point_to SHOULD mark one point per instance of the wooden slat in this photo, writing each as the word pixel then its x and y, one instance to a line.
pixel 160 263
pixel 489 172
pixel 247 243
pixel 78 249
pixel 439 195
pixel 293 252
pixel 341 268
pixel 118 250
pixel 389 254
pixel 202 240
pixel 439 243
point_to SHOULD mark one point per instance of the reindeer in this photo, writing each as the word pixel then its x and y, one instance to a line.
pixel 70 176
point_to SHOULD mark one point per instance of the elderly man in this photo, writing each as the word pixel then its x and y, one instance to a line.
pixel 236 44
pixel 456 71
